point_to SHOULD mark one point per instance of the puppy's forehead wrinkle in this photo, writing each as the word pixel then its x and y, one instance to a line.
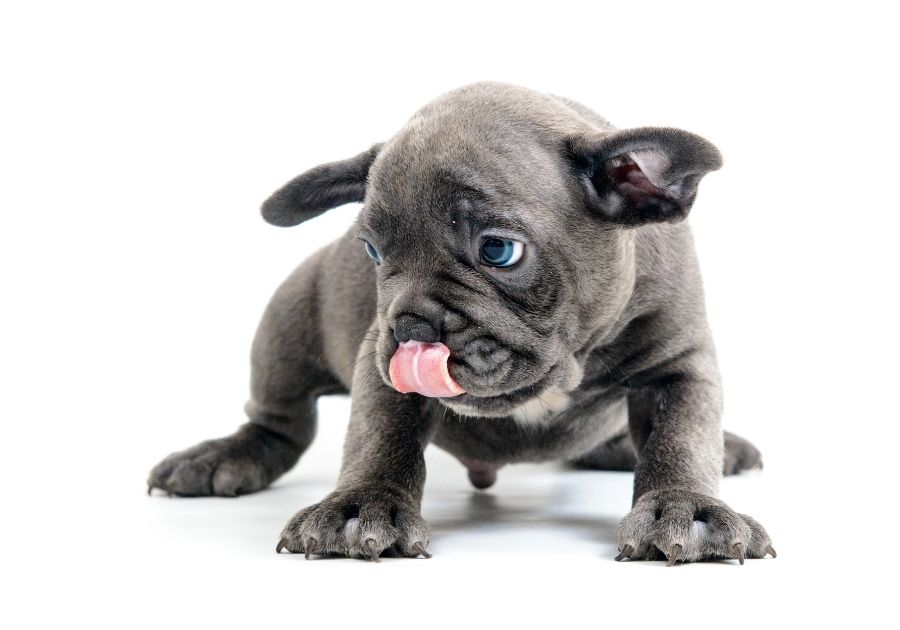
pixel 488 216
pixel 435 186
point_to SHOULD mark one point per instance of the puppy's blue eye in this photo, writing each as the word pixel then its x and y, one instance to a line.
pixel 372 252
pixel 501 252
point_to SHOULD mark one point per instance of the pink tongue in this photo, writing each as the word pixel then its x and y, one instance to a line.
pixel 422 367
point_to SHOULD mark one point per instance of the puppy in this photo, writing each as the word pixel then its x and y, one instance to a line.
pixel 520 286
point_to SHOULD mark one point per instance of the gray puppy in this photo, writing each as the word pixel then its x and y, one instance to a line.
pixel 525 290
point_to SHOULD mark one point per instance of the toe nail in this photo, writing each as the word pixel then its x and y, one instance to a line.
pixel 373 549
pixel 419 548
pixel 625 552
pixel 676 551
pixel 738 550
pixel 308 545
pixel 771 551
pixel 280 545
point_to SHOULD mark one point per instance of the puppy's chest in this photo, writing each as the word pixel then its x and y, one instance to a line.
pixel 541 409
pixel 558 426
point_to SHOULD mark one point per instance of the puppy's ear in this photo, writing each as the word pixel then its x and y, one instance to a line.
pixel 319 189
pixel 644 175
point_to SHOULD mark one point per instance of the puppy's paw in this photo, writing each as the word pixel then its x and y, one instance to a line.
pixel 691 527
pixel 242 463
pixel 359 522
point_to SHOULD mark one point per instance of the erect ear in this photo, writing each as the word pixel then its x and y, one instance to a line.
pixel 644 175
pixel 319 189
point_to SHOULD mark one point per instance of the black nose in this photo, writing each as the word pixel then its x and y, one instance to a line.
pixel 413 328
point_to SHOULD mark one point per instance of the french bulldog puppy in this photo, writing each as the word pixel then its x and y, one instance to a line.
pixel 520 286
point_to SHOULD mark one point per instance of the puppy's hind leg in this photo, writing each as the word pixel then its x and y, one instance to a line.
pixel 618 453
pixel 740 455
pixel 287 376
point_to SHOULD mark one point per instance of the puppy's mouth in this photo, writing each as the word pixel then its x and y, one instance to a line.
pixel 422 368
pixel 425 369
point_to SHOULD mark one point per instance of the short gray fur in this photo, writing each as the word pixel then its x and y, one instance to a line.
pixel 606 309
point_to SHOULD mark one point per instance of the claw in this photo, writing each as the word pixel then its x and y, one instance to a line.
pixel 419 548
pixel 625 552
pixel 280 545
pixel 149 490
pixel 308 545
pixel 676 549
pixel 738 552
pixel 373 549
pixel 771 551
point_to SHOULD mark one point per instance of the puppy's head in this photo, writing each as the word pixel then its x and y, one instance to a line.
pixel 501 222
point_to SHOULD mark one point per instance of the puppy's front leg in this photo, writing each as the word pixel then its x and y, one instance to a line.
pixel 379 493
pixel 675 423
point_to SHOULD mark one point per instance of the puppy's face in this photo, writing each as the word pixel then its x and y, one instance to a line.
pixel 501 223
pixel 487 247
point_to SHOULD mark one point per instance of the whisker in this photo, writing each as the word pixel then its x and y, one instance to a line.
pixel 366 332
pixel 607 362
pixel 373 369
pixel 543 406
pixel 355 361
pixel 524 410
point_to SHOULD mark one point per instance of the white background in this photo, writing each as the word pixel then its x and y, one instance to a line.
pixel 137 142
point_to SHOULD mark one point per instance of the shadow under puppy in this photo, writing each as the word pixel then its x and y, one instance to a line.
pixel 520 286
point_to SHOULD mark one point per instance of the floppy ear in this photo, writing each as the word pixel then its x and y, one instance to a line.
pixel 319 189
pixel 644 175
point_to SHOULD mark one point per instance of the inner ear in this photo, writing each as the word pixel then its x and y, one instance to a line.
pixel 641 170
pixel 631 189
pixel 646 175
pixel 638 177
